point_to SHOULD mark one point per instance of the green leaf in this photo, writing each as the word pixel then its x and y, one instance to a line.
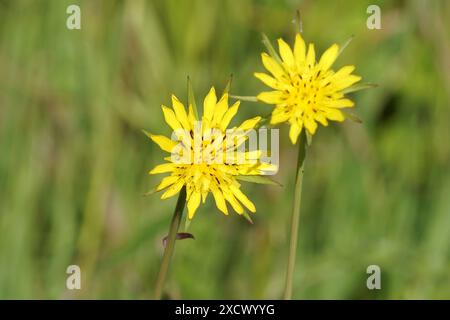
pixel 244 98
pixel 352 116
pixel 359 86
pixel 259 180
pixel 228 86
pixel 179 236
pixel 270 48
pixel 191 97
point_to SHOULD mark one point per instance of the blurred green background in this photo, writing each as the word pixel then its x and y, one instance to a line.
pixel 73 161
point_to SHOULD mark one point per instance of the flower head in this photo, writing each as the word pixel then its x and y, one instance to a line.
pixel 305 91
pixel 206 156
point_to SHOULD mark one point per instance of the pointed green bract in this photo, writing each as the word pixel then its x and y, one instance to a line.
pixel 358 87
pixel 259 180
pixel 346 43
pixel 147 133
pixel 191 97
pixel 187 223
pixel 228 86
pixel 245 98
pixel 247 217
pixel 298 21
pixel 150 192
pixel 352 116
pixel 308 138
pixel 270 48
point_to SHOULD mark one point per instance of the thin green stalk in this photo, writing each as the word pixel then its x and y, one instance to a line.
pixel 302 145
pixel 170 245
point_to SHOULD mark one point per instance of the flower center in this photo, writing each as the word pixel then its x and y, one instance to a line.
pixel 305 93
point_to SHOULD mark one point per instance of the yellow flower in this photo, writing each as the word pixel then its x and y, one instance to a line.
pixel 306 91
pixel 206 157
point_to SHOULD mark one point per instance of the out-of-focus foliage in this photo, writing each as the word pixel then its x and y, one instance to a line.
pixel 73 160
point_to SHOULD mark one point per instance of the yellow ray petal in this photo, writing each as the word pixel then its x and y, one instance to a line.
pixel 272 66
pixel 246 169
pixel 180 112
pixel 310 125
pixel 267 168
pixel 204 196
pixel 167 181
pixel 311 56
pixel 229 114
pixel 253 155
pixel 232 200
pixel 205 183
pixel 299 49
pixel 243 198
pixel 320 117
pixel 173 190
pixel 220 201
pixel 221 108
pixel 345 82
pixel 191 116
pixel 271 97
pixel 341 73
pixel 193 203
pixel 286 53
pixel 163 142
pixel 227 169
pixel 294 131
pixel 249 124
pixel 334 114
pixel 340 103
pixel 170 118
pixel 209 104
pixel 271 82
pixel 279 115
pixel 163 168
pixel 328 57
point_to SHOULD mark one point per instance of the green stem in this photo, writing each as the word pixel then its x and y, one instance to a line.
pixel 302 145
pixel 170 245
